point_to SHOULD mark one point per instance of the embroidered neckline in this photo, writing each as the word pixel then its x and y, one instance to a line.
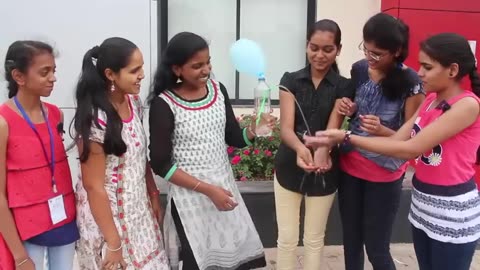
pixel 198 104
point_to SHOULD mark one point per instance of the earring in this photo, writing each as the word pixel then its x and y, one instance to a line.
pixel 179 80
pixel 112 88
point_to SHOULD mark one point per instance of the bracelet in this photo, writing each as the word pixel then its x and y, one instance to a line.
pixel 155 193
pixel 196 186
pixel 23 262
pixel 346 139
pixel 113 250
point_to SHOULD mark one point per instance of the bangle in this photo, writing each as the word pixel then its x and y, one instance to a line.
pixel 23 262
pixel 155 193
pixel 346 139
pixel 196 186
pixel 113 250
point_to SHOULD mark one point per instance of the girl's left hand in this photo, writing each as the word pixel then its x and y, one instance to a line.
pixel 322 159
pixel 371 124
pixel 270 119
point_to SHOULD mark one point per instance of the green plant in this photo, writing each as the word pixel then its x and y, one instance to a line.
pixel 255 163
pixel 345 123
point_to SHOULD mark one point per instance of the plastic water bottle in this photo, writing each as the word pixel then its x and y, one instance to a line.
pixel 262 108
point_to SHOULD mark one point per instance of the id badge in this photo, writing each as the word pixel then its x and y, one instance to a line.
pixel 57 209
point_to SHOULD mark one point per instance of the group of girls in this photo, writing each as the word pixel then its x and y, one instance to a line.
pixel 113 218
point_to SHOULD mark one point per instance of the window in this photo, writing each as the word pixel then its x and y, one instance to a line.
pixel 279 26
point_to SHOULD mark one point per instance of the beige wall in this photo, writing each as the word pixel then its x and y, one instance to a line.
pixel 350 15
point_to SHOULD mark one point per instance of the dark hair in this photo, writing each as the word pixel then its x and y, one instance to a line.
pixel 328 26
pixel 92 95
pixel 450 48
pixel 178 51
pixel 391 34
pixel 19 56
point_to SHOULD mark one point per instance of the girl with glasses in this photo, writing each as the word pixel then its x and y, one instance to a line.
pixel 387 92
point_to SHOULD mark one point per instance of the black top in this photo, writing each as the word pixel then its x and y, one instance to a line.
pixel 162 125
pixel 316 104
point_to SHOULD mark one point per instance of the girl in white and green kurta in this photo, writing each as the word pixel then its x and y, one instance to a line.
pixel 191 124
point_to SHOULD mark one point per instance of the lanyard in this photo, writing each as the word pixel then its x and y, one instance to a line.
pixel 52 147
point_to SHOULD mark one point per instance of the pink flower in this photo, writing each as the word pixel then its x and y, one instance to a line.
pixel 256 151
pixel 246 152
pixel 236 160
pixel 268 153
pixel 243 178
pixel 230 149
pixel 271 138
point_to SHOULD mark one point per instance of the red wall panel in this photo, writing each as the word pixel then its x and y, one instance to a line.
pixel 429 17
pixel 389 4
pixel 438 22
pixel 427 23
pixel 451 5
pixel 395 12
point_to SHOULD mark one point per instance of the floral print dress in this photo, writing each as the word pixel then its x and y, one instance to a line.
pixel 126 188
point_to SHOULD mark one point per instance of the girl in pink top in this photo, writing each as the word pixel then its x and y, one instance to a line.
pixel 444 134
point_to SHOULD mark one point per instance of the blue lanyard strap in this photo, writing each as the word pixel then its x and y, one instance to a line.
pixel 50 133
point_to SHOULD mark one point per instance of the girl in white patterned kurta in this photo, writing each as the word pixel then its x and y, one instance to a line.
pixel 191 123
pixel 118 222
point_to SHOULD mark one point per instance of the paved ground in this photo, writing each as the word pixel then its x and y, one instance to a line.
pixel 403 254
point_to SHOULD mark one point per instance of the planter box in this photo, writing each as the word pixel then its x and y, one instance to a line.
pixel 260 201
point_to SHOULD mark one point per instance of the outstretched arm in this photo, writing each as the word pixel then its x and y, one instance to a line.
pixel 461 115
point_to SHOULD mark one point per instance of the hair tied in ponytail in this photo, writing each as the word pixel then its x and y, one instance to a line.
pixel 10 65
pixel 92 95
pixel 94 52
pixel 19 56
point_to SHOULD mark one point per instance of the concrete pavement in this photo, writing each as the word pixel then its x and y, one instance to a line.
pixel 403 255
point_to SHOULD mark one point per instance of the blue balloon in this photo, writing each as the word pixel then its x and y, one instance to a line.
pixel 248 57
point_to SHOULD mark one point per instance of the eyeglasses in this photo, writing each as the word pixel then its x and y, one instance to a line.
pixel 375 56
